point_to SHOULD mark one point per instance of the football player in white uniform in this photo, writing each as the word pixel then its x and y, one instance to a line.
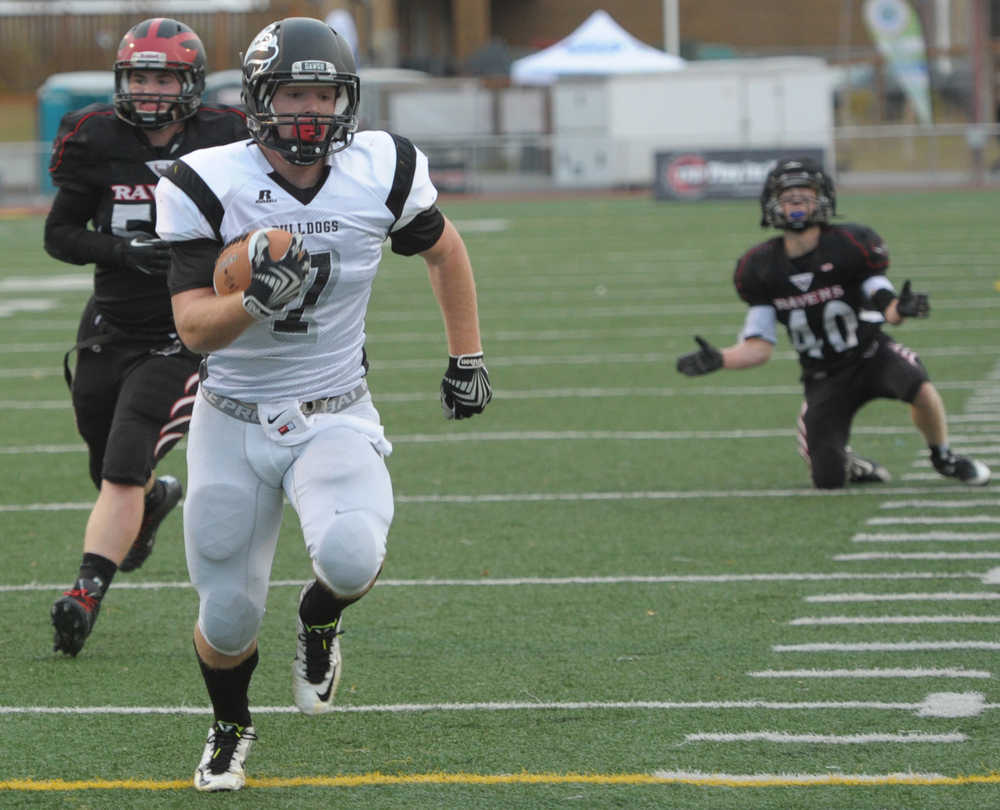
pixel 285 408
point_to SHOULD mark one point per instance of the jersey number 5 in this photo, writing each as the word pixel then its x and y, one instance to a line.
pixel 297 324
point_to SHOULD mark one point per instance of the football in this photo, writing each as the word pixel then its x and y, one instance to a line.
pixel 234 265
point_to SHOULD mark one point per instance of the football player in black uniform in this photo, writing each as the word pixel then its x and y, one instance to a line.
pixel 826 285
pixel 134 381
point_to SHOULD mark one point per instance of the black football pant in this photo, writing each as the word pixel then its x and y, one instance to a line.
pixel 887 370
pixel 132 401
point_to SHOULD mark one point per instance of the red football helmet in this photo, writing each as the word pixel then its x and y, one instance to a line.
pixel 160 44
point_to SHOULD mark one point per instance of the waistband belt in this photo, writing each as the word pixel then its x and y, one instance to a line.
pixel 247 411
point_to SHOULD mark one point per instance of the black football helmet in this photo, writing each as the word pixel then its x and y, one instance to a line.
pixel 300 50
pixel 160 44
pixel 797 173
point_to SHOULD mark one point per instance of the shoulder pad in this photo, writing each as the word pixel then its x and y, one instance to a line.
pixel 214 126
pixel 751 265
pixel 866 242
pixel 86 137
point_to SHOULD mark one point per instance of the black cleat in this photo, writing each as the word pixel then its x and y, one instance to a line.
pixel 163 497
pixel 967 470
pixel 74 615
pixel 862 470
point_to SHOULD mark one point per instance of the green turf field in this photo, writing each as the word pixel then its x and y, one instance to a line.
pixel 614 589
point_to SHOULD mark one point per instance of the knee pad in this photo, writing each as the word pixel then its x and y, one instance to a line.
pixel 229 620
pixel 349 555
pixel 223 518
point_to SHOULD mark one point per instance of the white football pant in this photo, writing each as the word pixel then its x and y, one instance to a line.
pixel 336 481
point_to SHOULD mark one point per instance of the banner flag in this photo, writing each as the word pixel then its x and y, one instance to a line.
pixel 899 37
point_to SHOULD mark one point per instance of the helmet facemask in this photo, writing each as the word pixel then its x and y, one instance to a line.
pixel 313 136
pixel 789 174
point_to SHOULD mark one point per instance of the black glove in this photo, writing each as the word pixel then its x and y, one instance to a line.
pixel 146 254
pixel 911 304
pixel 275 284
pixel 465 389
pixel 704 361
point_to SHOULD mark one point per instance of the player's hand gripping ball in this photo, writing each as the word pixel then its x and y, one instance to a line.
pixel 235 263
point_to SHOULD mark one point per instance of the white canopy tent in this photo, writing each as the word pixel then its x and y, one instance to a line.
pixel 599 47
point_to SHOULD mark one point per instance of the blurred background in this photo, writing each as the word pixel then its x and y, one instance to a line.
pixel 686 98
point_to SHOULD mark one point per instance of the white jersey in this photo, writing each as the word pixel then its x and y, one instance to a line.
pixel 316 349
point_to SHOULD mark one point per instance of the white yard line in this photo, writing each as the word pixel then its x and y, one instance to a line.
pixel 918 537
pixel 976 450
pixel 691 579
pixel 926 520
pixel 556 497
pixel 841 620
pixel 886 646
pixel 943 596
pixel 825 739
pixel 921 476
pixel 919 555
pixel 872 673
pixel 406 708
pixel 914 503
pixel 571 435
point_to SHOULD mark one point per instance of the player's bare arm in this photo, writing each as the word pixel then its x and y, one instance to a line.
pixel 450 273
pixel 747 353
pixel 207 322
pixel 465 388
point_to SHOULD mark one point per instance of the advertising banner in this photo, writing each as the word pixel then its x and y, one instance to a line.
pixel 699 174
pixel 896 30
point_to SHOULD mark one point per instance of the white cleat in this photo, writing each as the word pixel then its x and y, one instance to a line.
pixel 316 668
pixel 221 766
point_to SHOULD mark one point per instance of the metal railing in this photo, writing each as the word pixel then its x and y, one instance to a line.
pixel 865 157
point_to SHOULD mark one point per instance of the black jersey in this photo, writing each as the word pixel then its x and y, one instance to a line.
pixel 108 171
pixel 819 296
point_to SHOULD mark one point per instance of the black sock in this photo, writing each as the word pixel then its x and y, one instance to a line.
pixel 939 451
pixel 228 689
pixel 155 494
pixel 97 568
pixel 320 607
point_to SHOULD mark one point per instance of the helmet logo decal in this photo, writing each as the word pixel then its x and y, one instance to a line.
pixel 262 51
